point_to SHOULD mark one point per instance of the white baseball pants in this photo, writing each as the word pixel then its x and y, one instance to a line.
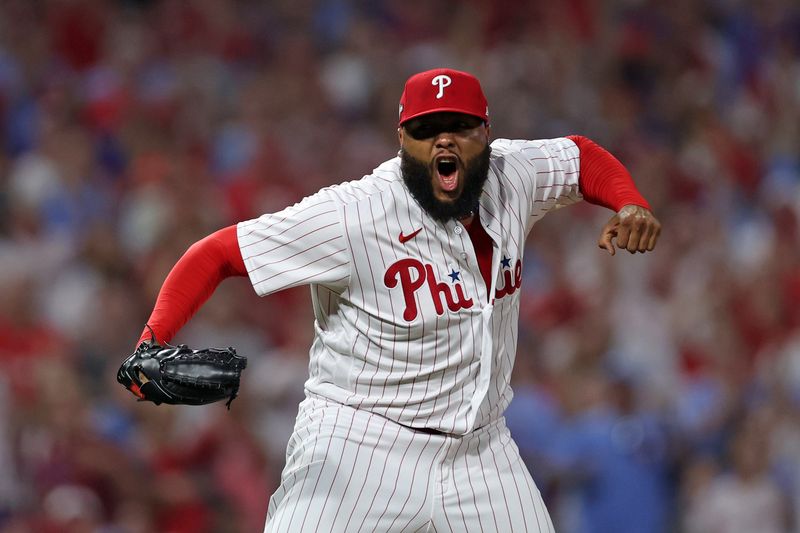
pixel 349 470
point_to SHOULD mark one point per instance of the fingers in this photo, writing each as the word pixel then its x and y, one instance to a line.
pixel 647 242
pixel 608 246
pixel 638 229
pixel 624 236
pixel 607 234
pixel 639 232
pixel 651 243
pixel 634 228
pixel 605 242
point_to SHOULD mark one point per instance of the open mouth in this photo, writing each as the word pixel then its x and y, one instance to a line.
pixel 446 167
pixel 447 172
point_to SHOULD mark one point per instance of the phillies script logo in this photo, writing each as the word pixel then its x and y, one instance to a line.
pixel 412 275
pixel 510 285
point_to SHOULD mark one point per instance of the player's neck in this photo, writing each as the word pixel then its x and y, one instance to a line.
pixel 469 218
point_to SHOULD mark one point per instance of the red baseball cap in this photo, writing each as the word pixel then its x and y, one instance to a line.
pixel 442 89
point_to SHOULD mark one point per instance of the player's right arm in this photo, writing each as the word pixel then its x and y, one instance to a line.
pixel 192 281
pixel 299 245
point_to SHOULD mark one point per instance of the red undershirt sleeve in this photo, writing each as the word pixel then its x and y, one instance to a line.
pixel 603 179
pixel 192 281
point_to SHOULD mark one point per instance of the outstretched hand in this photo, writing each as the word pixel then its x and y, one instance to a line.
pixel 635 228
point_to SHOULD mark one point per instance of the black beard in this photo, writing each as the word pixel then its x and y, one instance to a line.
pixel 418 178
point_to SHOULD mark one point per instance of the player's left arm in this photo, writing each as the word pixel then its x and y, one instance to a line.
pixel 605 181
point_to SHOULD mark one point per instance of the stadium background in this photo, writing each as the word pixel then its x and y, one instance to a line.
pixel 661 388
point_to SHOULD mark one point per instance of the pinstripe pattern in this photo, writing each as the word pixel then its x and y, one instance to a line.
pixel 448 371
pixel 409 332
pixel 399 480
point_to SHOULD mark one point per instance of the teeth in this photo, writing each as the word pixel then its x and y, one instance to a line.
pixel 446 161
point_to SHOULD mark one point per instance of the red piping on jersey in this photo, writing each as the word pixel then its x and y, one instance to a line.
pixel 603 179
pixel 482 244
pixel 192 281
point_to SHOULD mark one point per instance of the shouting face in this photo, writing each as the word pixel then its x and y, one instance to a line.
pixel 445 162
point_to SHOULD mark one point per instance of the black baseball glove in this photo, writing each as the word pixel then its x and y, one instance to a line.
pixel 180 375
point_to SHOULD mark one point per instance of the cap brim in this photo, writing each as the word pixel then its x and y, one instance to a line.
pixel 444 110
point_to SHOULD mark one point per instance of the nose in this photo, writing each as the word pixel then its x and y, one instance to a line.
pixel 444 140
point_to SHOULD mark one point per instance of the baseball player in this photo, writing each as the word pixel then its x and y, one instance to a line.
pixel 415 271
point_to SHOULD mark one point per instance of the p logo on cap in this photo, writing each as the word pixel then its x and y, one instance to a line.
pixel 442 80
pixel 442 89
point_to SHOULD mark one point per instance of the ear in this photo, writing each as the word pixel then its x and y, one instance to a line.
pixel 400 134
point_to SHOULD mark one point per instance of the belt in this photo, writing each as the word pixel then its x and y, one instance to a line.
pixel 430 431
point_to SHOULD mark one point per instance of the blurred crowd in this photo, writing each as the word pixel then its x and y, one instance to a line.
pixel 655 393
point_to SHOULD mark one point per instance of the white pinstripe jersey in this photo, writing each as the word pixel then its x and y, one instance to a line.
pixel 409 330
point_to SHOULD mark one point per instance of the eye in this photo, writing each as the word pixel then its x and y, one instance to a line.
pixel 422 131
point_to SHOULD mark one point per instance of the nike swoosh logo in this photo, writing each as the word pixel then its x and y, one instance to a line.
pixel 406 238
